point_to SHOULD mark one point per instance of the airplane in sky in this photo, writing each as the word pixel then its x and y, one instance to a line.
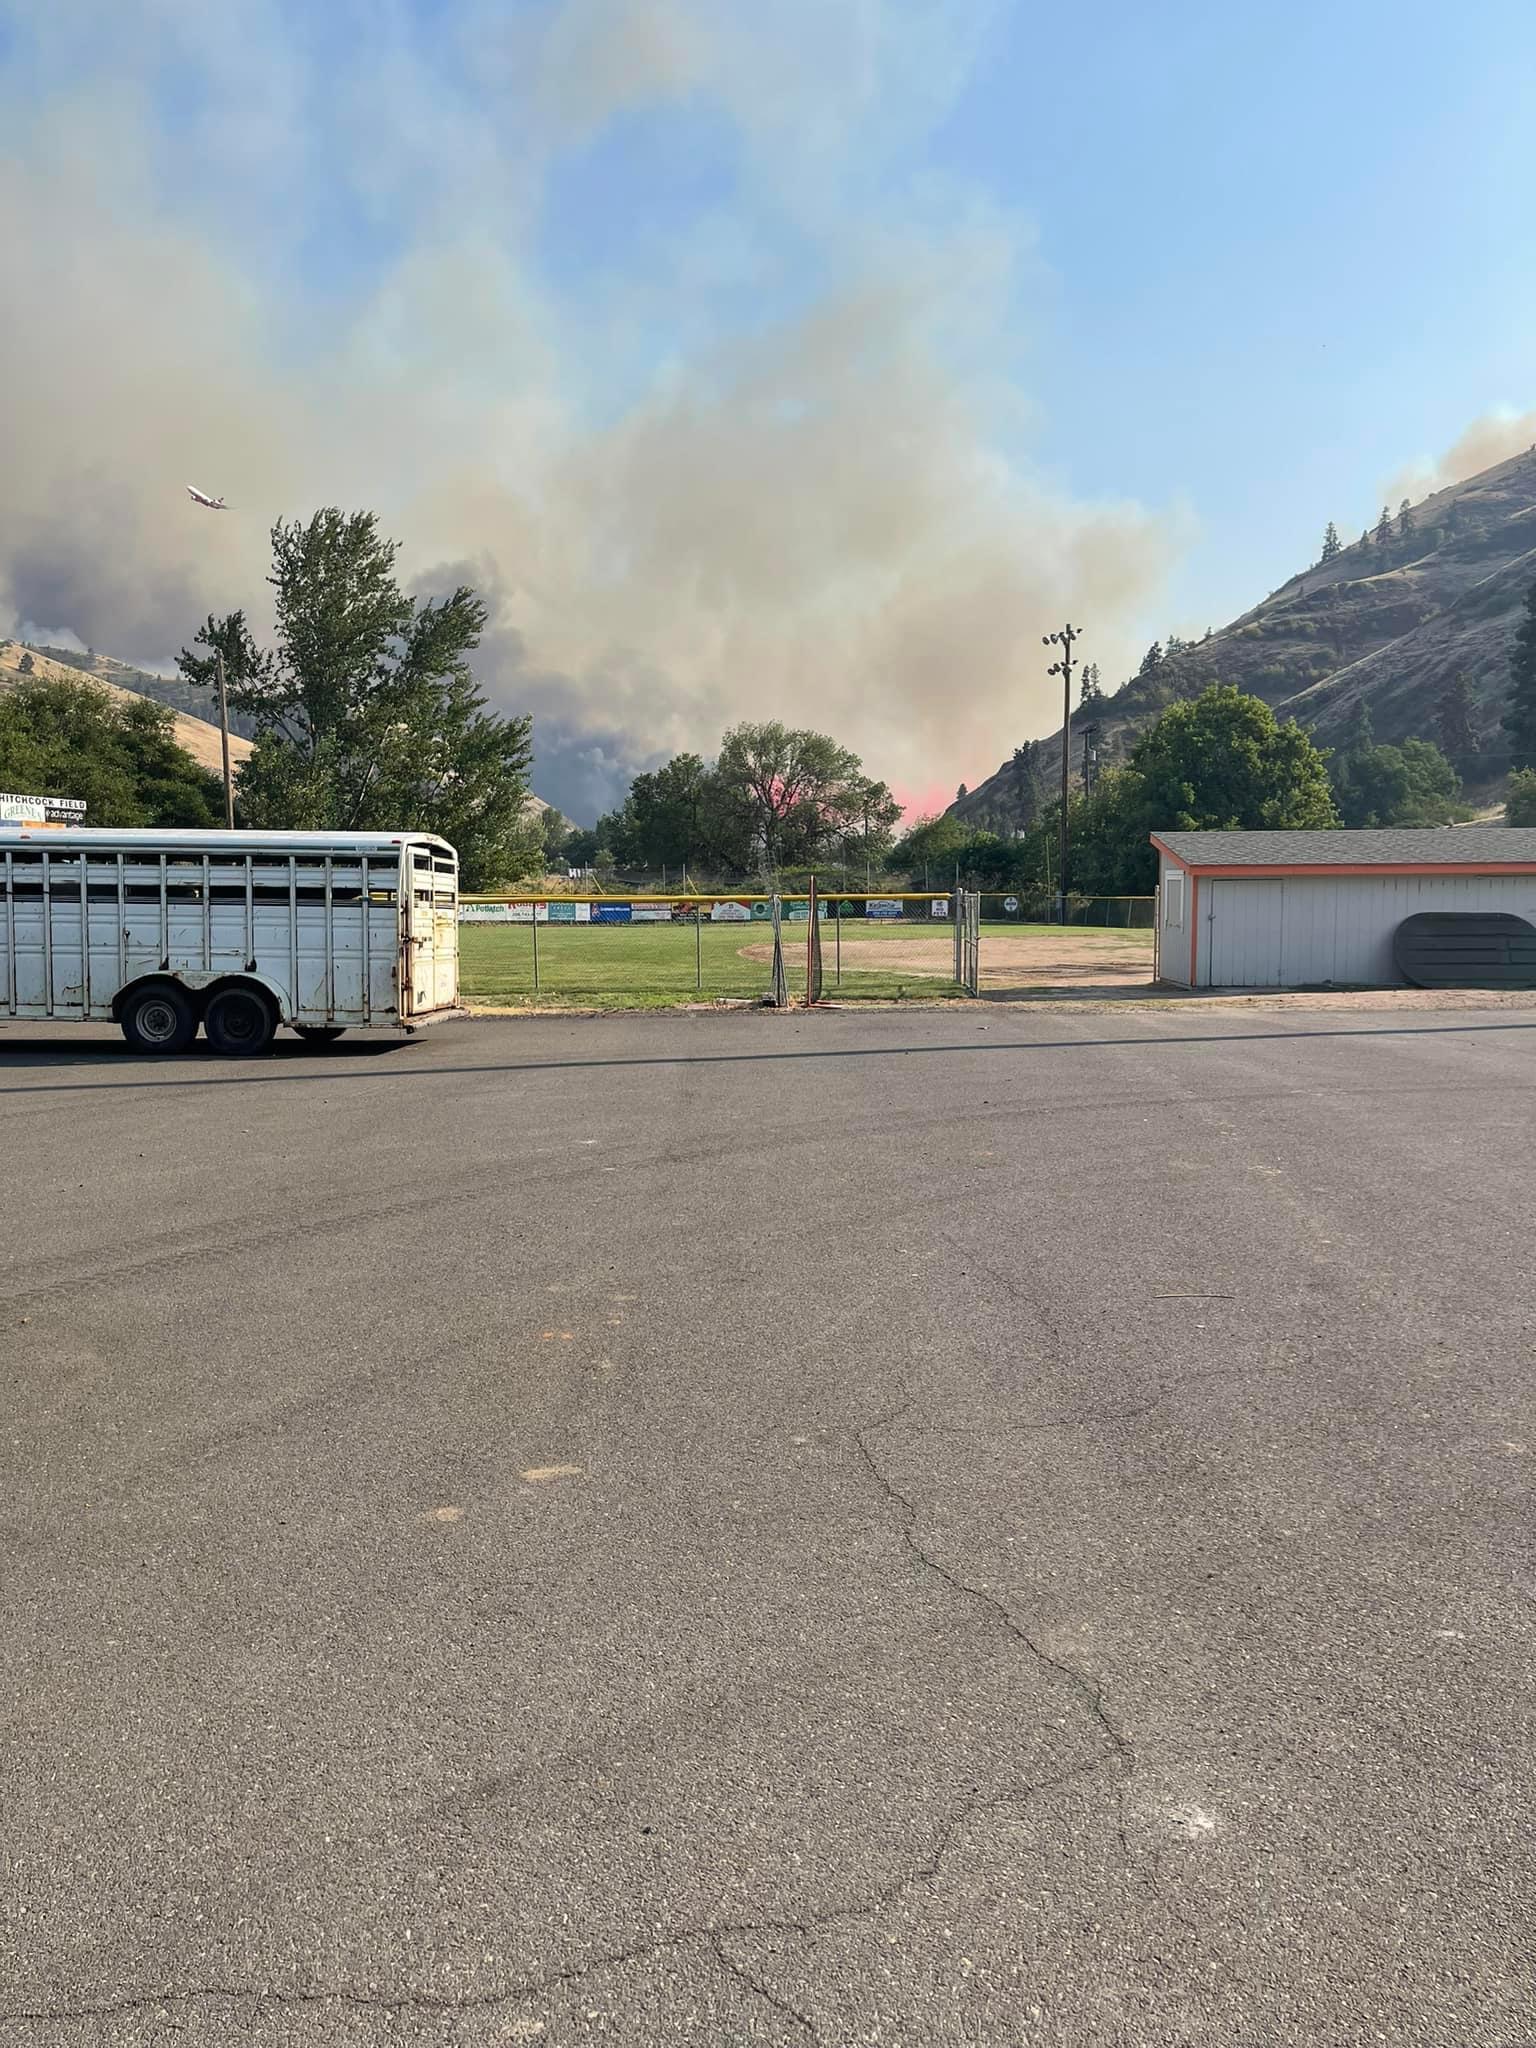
pixel 202 498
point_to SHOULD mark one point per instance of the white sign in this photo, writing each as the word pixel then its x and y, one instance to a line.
pixel 1010 904
pixel 40 810
pixel 939 907
pixel 729 913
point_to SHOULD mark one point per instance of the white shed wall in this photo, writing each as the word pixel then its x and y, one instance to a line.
pixel 1295 931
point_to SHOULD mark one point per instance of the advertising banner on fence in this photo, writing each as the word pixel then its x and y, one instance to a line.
pixel 729 913
pixel 650 913
pixel 610 913
pixel 40 810
pixel 877 907
pixel 939 907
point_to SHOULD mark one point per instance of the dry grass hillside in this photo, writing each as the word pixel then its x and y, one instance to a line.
pixel 200 739
pixel 1385 625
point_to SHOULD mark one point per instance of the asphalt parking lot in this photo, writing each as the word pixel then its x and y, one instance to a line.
pixel 925 1528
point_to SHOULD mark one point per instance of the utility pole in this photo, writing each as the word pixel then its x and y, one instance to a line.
pixel 1090 754
pixel 229 787
pixel 1063 668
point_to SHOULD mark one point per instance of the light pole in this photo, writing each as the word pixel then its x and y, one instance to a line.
pixel 1063 668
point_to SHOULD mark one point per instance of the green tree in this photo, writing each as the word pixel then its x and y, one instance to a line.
pixel 1520 803
pixel 1221 761
pixel 1024 781
pixel 120 757
pixel 367 715
pixel 580 849
pixel 666 820
pixel 932 848
pixel 25 667
pixel 1455 715
pixel 1520 719
pixel 1331 544
pixel 554 830
pixel 961 794
pixel 1411 784
pixel 783 797
pixel 1384 529
pixel 1405 521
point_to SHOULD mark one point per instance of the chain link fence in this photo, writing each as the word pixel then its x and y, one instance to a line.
pixel 642 951
pixel 656 951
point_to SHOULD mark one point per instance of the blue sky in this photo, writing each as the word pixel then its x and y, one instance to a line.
pixel 803 362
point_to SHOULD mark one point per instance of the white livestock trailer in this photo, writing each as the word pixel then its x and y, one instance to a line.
pixel 238 932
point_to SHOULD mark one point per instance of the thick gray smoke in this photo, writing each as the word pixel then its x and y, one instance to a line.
pixel 807 512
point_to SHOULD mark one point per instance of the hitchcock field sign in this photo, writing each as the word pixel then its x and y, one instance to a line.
pixel 40 810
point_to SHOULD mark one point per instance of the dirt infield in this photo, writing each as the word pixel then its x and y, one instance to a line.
pixel 1057 959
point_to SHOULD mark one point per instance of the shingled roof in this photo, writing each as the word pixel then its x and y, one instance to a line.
pixel 1461 846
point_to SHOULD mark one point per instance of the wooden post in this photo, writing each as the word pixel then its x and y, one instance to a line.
pixel 229 787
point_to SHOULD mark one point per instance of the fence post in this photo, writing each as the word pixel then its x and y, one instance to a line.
pixel 535 948
pixel 698 946
pixel 780 995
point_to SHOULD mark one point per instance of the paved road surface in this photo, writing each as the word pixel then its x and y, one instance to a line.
pixel 930 1528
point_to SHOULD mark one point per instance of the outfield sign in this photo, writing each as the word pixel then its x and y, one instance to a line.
pixel 878 907
pixel 40 810
pixel 729 913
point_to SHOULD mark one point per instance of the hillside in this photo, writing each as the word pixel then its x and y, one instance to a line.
pixel 1384 625
pixel 196 735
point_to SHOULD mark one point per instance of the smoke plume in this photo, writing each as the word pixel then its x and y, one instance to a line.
pixel 760 460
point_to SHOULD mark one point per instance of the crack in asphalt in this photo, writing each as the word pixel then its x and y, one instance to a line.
pixel 761 1990
pixel 1121 1750
pixel 710 1937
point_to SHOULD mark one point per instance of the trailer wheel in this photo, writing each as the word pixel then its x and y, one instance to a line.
pixel 320 1034
pixel 240 1022
pixel 158 1019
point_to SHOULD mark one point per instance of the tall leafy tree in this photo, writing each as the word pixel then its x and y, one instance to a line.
pixel 1219 761
pixel 786 797
pixel 367 714
pixel 1331 542
pixel 121 758
pixel 1520 719
pixel 1405 521
pixel 1384 529
pixel 666 821
pixel 1411 784
pixel 1455 715
pixel 1520 804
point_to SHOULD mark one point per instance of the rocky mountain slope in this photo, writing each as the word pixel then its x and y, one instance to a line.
pixel 1388 623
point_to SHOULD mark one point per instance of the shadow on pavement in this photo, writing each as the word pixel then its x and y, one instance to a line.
pixel 333 1068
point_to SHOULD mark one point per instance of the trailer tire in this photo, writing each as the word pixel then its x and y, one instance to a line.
pixel 320 1034
pixel 158 1018
pixel 240 1021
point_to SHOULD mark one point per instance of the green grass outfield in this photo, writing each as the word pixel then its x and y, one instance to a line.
pixel 653 965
